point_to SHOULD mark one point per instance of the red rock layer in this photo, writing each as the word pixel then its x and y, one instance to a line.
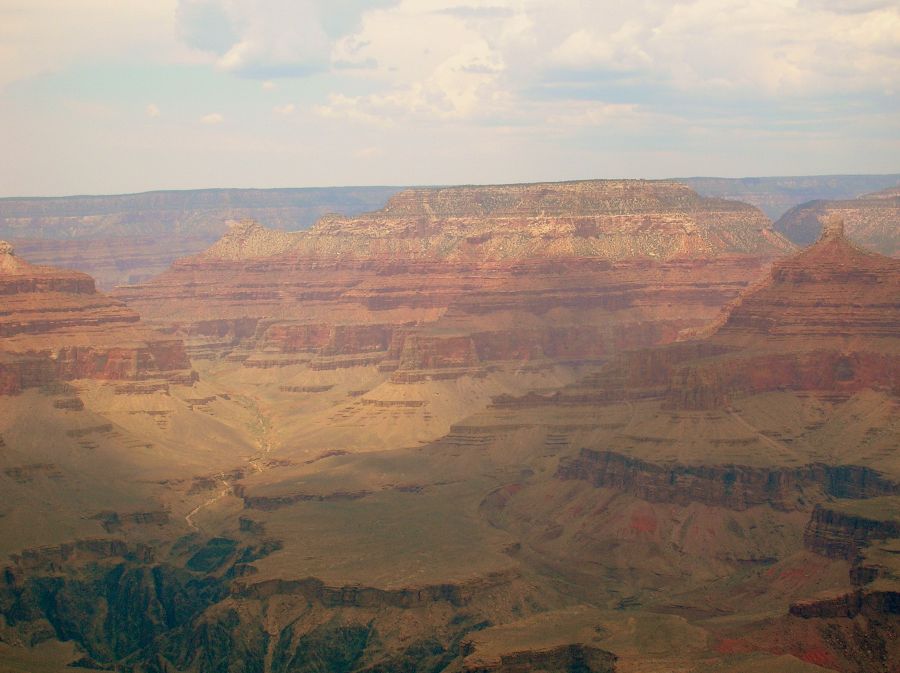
pixel 827 319
pixel 454 278
pixel 55 325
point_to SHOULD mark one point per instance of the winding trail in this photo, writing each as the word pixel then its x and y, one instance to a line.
pixel 189 518
pixel 264 447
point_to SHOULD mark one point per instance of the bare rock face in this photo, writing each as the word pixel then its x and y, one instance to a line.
pixel 55 326
pixel 247 239
pixel 838 534
pixel 456 278
pixel 731 486
pixel 872 220
pixel 826 319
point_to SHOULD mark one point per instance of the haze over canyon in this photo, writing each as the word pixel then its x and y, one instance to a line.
pixel 606 425
pixel 450 336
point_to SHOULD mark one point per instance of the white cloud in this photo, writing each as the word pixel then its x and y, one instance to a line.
pixel 268 85
pixel 212 118
pixel 768 47
pixel 153 110
pixel 269 38
pixel 285 110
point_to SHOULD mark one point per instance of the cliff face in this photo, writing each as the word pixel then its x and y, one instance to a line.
pixel 838 534
pixel 764 452
pixel 54 325
pixel 873 220
pixel 826 319
pixel 613 219
pixel 456 278
pixel 732 486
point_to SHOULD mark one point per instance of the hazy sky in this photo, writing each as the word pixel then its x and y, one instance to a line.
pixel 103 96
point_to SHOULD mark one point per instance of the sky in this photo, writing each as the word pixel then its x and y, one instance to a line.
pixel 114 96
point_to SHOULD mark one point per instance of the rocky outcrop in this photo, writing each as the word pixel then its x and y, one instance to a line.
pixel 848 606
pixel 825 320
pixel 457 594
pixel 458 278
pixel 52 559
pixel 873 220
pixel 735 487
pixel 54 325
pixel 559 659
pixel 841 535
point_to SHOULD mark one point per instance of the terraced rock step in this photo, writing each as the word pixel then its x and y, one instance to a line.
pixel 733 486
pixel 56 326
pixel 838 533
pixel 450 281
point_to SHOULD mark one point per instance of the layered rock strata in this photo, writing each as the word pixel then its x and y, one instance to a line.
pixel 825 320
pixel 732 486
pixel 451 279
pixel 54 325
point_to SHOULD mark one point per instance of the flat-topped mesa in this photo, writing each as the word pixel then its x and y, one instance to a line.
pixel 54 325
pixel 556 272
pixel 607 219
pixel 564 271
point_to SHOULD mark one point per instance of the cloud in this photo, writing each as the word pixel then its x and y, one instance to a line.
pixel 523 85
pixel 765 48
pixel 206 25
pixel 270 38
pixel 153 110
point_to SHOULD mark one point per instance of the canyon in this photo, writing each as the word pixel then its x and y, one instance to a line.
pixel 775 196
pixel 129 238
pixel 588 426
pixel 871 220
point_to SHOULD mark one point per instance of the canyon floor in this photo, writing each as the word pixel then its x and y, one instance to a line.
pixel 599 426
